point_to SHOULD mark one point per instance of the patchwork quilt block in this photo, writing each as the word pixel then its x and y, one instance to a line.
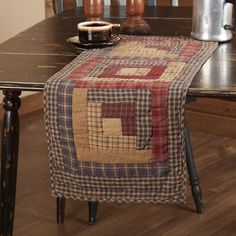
pixel 114 120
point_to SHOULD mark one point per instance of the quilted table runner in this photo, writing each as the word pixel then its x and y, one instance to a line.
pixel 114 120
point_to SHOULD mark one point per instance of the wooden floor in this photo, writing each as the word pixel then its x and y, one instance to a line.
pixel 35 209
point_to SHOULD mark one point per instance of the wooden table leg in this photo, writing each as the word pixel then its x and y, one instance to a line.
pixel 93 206
pixel 9 159
pixel 194 181
pixel 61 202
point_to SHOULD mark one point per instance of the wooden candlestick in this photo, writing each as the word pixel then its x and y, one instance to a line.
pixel 135 24
pixel 94 9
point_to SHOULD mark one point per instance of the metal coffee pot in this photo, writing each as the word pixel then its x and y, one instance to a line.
pixel 213 20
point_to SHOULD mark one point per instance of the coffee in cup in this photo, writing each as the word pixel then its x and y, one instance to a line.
pixel 97 31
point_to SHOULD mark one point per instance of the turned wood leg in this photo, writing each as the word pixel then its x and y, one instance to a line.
pixel 60 210
pixel 9 159
pixel 92 212
pixel 194 181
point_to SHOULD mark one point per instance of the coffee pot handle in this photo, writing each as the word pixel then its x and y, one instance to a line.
pixel 231 27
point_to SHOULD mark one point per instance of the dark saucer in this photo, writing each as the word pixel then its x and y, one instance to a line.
pixel 75 41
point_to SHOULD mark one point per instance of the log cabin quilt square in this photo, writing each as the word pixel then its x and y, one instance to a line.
pixel 114 120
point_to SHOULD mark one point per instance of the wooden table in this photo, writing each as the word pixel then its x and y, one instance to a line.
pixel 31 57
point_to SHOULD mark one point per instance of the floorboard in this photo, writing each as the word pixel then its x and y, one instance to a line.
pixel 35 209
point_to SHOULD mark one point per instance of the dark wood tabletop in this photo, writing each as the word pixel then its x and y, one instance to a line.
pixel 31 57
